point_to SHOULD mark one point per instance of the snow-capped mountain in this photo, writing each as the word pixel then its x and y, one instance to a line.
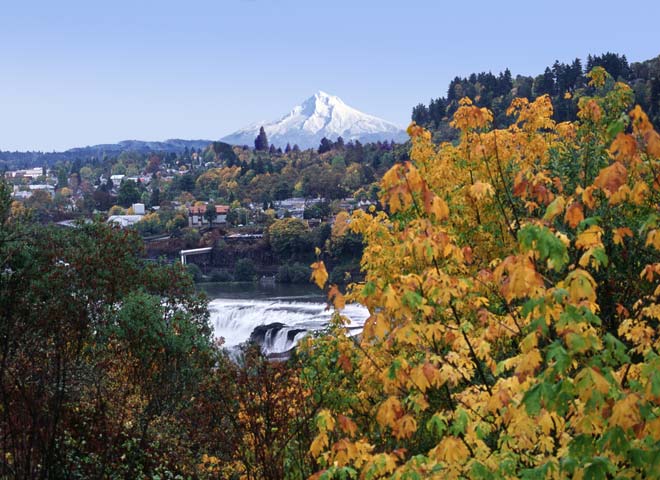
pixel 321 115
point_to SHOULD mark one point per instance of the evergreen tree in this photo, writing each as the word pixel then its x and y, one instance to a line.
pixel 209 213
pixel 128 193
pixel 288 148
pixel 261 142
pixel 544 84
pixel 154 201
pixel 420 114
pixel 326 145
pixel 504 83
pixel 436 111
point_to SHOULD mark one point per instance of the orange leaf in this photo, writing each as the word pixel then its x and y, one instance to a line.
pixel 620 234
pixel 347 425
pixel 624 147
pixel 611 178
pixel 336 297
pixel 574 214
pixel 588 197
pixel 345 363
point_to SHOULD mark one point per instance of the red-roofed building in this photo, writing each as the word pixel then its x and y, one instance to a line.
pixel 196 216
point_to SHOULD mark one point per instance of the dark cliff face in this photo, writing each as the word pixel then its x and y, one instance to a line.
pixel 259 334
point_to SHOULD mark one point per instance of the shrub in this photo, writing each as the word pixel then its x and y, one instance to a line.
pixel 244 270
pixel 221 275
pixel 195 271
pixel 296 273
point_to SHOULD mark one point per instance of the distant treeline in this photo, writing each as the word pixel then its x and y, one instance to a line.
pixel 560 81
pixel 97 153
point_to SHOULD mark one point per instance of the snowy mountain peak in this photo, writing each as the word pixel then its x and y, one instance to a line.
pixel 321 115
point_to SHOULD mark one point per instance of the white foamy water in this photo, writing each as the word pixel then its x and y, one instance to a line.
pixel 236 319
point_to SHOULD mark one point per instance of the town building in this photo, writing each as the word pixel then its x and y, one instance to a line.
pixel 197 217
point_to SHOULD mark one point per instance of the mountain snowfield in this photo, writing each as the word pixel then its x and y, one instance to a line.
pixel 322 115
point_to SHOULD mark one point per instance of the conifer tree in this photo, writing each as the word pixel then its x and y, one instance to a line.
pixel 261 142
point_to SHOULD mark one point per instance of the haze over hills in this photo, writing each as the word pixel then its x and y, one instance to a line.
pixel 36 158
pixel 321 115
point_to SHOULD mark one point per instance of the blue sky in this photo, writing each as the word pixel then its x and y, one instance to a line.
pixel 77 73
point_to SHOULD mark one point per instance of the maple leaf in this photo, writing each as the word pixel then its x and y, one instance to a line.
pixel 581 286
pixel 389 412
pixel 439 208
pixel 624 147
pixel 588 197
pixel 347 425
pixel 620 233
pixel 555 208
pixel 639 193
pixel 574 214
pixel 318 444
pixel 336 297
pixel 451 450
pixel 653 239
pixel 625 412
pixel 611 178
pixel 419 378
pixel 480 190
pixel 405 427
pixel 591 237
pixel 319 273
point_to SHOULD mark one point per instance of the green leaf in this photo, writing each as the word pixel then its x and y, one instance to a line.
pixel 460 422
pixel 369 289
pixel 557 353
pixel 436 425
pixel 546 244
pixel 479 470
pixel 616 127
pixel 599 469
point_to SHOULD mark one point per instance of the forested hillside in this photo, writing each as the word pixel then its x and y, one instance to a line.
pixel 561 81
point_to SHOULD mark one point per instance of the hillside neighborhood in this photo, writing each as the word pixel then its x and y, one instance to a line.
pixel 261 211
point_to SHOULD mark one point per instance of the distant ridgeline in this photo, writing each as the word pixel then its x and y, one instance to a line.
pixel 17 160
pixel 562 81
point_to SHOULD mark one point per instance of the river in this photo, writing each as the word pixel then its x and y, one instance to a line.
pixel 275 316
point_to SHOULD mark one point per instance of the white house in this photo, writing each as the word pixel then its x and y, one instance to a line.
pixel 124 220
pixel 196 216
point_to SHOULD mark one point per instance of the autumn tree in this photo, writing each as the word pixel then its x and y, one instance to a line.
pixel 289 236
pixel 513 289
pixel 99 349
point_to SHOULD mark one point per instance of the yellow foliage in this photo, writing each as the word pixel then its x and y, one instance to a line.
pixel 319 273
pixel 513 307
pixel 590 238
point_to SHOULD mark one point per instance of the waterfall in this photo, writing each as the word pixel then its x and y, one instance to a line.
pixel 276 324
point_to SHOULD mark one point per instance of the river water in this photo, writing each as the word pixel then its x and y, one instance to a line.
pixel 275 316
